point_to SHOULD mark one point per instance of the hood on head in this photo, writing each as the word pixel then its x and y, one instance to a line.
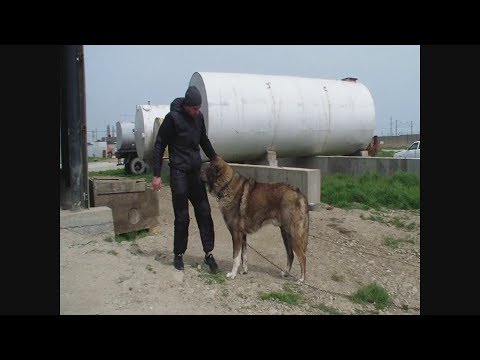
pixel 177 104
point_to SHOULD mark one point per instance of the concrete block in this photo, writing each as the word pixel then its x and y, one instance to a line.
pixel 93 221
pixel 307 180
pixel 132 209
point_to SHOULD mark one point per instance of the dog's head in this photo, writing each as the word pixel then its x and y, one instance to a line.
pixel 216 174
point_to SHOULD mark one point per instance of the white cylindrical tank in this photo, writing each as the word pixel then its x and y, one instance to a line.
pixel 125 135
pixel 246 115
pixel 145 135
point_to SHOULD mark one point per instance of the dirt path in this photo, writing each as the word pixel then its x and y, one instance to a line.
pixel 345 252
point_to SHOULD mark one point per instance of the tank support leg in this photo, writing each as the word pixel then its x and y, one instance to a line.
pixel 272 158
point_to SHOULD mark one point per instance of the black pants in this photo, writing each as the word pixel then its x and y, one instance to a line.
pixel 188 186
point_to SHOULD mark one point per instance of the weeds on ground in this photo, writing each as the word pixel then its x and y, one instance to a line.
pixel 287 296
pixel 372 294
pixel 130 236
pixel 210 278
pixel 395 243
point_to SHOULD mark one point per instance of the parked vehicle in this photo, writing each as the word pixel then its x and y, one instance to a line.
pixel 133 164
pixel 412 152
pixel 127 150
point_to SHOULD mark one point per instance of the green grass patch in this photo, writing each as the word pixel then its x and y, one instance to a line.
pixel 395 243
pixel 130 236
pixel 403 225
pixel 377 218
pixel 326 309
pixel 98 159
pixel 370 190
pixel 383 153
pixel 210 278
pixel 372 294
pixel 287 296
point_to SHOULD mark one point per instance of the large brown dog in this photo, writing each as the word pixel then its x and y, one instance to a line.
pixel 247 205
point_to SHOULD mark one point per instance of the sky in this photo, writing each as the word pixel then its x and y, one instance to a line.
pixel 119 77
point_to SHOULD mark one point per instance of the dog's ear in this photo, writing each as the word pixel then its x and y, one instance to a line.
pixel 216 160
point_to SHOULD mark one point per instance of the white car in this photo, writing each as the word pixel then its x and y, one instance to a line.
pixel 412 152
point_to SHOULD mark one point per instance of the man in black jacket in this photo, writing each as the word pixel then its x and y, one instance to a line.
pixel 183 130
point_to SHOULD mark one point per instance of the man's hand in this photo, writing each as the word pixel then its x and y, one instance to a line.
pixel 157 183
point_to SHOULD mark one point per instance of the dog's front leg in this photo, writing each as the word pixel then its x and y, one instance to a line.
pixel 237 247
pixel 244 254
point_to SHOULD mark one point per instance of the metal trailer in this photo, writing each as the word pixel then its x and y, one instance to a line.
pixel 126 149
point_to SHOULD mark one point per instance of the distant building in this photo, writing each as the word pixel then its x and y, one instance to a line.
pixel 97 149
pixel 398 142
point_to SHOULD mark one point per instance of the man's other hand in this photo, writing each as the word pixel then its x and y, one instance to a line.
pixel 157 183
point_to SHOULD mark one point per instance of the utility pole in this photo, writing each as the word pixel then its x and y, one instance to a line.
pixel 391 133
pixel 411 127
pixel 396 127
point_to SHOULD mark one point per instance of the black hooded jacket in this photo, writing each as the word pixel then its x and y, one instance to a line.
pixel 183 135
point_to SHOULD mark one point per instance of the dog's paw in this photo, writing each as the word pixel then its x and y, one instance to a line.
pixel 243 272
pixel 231 275
pixel 284 274
pixel 300 281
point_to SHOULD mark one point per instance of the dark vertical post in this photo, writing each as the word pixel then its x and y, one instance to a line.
pixel 74 110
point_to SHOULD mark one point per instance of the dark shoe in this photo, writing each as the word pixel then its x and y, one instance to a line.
pixel 178 262
pixel 210 261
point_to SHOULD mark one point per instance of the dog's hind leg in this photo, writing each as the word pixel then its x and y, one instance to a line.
pixel 244 254
pixel 287 241
pixel 299 236
pixel 237 251
pixel 298 248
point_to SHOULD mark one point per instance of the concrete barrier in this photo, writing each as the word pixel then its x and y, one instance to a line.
pixel 354 165
pixel 307 180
